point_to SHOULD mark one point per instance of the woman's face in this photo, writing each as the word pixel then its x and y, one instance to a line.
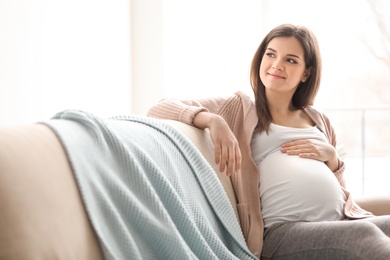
pixel 283 65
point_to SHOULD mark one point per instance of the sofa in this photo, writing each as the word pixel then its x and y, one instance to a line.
pixel 42 214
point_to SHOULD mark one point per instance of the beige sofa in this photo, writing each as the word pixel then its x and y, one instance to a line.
pixel 41 212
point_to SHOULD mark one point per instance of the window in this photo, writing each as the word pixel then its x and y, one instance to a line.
pixel 57 55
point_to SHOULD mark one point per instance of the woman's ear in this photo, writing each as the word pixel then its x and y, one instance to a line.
pixel 306 74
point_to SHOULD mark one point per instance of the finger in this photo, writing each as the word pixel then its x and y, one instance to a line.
pixel 309 156
pixel 296 146
pixel 296 142
pixel 298 150
pixel 289 150
pixel 238 160
pixel 217 153
pixel 224 159
pixel 289 144
pixel 231 161
pixel 293 152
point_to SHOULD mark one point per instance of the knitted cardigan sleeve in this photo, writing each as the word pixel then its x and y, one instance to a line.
pixel 186 110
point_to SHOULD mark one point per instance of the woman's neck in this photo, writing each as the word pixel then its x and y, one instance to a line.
pixel 284 113
pixel 280 105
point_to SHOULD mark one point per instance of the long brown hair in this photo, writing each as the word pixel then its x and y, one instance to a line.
pixel 306 91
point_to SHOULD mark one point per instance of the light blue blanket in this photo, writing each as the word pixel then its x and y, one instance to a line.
pixel 148 191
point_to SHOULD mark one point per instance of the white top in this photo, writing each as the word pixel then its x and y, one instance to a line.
pixel 294 188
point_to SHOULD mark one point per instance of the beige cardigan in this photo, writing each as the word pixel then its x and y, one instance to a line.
pixel 240 113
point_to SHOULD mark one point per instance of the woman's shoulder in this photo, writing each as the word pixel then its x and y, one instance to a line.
pixel 320 119
pixel 244 96
pixel 243 99
pixel 316 113
pixel 241 110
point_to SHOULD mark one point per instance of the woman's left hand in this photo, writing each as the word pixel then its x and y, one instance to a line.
pixel 312 149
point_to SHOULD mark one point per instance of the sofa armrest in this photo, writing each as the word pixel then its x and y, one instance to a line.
pixel 378 205
pixel 202 140
pixel 41 212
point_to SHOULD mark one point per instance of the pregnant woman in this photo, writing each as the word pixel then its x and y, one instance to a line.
pixel 279 152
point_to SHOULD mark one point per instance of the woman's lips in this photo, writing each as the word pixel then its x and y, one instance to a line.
pixel 276 76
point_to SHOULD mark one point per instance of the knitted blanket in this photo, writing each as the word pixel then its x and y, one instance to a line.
pixel 148 191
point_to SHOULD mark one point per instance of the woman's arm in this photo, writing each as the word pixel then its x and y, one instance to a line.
pixel 205 114
pixel 331 135
pixel 174 109
pixel 313 149
pixel 185 110
pixel 226 147
pixel 323 123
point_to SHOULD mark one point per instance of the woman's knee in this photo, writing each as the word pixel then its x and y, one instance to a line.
pixel 382 222
pixel 368 241
pixel 331 240
pixel 367 229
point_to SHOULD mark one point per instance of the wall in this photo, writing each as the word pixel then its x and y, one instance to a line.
pixel 147 54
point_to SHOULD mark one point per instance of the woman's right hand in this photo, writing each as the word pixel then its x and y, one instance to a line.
pixel 226 148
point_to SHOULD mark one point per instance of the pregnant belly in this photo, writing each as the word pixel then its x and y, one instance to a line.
pixel 294 189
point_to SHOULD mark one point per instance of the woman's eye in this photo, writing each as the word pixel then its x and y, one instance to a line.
pixel 291 61
pixel 270 54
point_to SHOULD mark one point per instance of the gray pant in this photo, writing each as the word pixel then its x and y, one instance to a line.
pixel 367 239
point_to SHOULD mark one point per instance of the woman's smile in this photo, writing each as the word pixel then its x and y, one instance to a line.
pixel 276 76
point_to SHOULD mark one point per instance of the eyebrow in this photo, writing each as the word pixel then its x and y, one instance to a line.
pixel 292 55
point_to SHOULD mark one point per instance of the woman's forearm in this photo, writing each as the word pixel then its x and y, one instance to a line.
pixel 203 120
pixel 175 110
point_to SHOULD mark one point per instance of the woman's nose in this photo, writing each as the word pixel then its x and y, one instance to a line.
pixel 277 66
